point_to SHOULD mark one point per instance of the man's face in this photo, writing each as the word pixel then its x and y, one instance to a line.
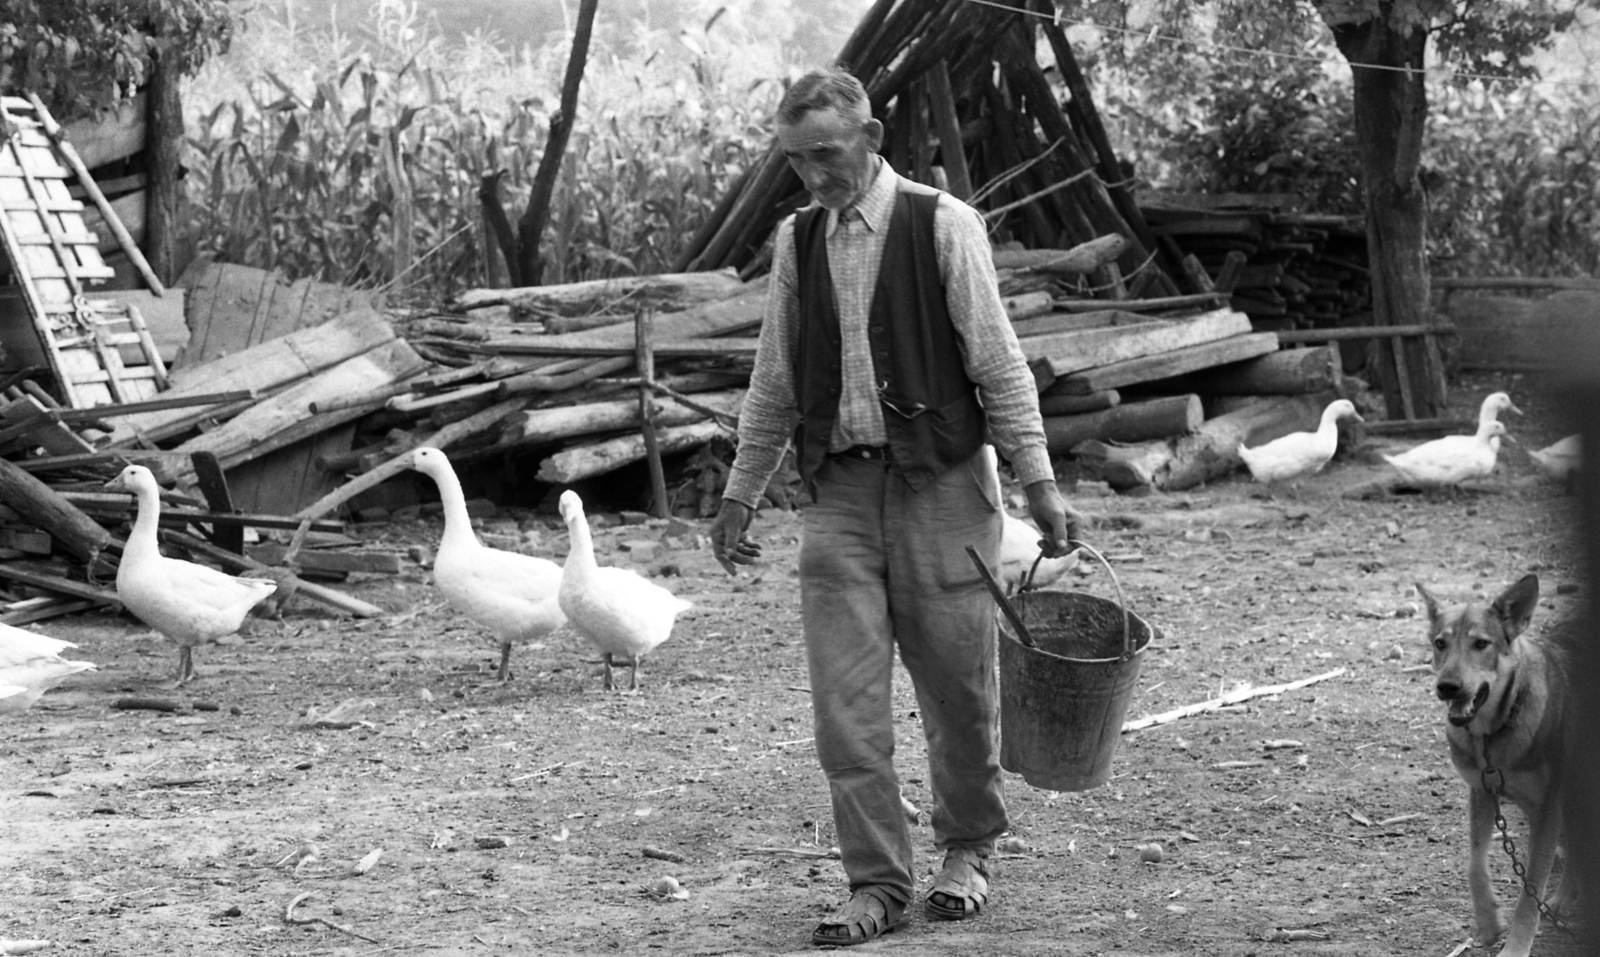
pixel 832 155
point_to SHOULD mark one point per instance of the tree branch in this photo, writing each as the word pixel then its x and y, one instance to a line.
pixel 530 229
pixel 494 212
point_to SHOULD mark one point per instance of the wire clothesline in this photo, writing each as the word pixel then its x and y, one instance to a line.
pixel 1154 35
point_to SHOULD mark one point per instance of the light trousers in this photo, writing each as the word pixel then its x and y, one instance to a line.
pixel 883 567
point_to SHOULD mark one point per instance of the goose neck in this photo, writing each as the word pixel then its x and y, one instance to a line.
pixel 581 547
pixel 147 516
pixel 457 523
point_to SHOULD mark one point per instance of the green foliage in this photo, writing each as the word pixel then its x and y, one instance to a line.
pixel 1514 173
pixel 327 160
pixel 1244 109
pixel 1515 182
pixel 80 55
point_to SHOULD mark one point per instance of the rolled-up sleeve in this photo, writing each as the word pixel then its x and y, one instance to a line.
pixel 994 360
pixel 768 416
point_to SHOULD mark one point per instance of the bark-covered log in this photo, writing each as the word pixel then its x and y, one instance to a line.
pixel 79 533
pixel 547 426
pixel 579 462
pixel 666 291
pixel 1210 452
pixel 1078 404
pixel 1285 372
pixel 1134 422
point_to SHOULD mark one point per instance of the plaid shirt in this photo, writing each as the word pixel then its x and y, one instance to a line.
pixel 856 237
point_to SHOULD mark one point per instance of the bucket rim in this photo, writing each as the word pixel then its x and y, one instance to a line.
pixel 1139 646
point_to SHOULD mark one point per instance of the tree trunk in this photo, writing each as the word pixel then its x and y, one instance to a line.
pixel 530 229
pixel 164 212
pixel 1391 108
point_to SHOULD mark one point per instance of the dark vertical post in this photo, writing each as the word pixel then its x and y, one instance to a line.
pixel 644 321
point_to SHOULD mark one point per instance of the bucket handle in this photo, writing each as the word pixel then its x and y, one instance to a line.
pixel 1122 598
pixel 1000 598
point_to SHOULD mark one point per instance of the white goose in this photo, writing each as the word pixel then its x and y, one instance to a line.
pixel 30 665
pixel 511 594
pixel 617 609
pixel 187 603
pixel 1453 459
pixel 1489 411
pixel 1560 460
pixel 1019 545
pixel 1299 453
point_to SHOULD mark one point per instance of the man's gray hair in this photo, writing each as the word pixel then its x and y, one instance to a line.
pixel 830 88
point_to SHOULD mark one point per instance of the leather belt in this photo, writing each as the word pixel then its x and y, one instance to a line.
pixel 872 453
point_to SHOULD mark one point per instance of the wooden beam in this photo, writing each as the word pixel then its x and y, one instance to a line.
pixel 1164 365
pixel 942 103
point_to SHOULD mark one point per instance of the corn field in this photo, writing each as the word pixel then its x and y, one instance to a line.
pixel 361 163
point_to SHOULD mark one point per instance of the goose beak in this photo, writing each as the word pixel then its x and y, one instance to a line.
pixel 1512 407
pixel 1510 438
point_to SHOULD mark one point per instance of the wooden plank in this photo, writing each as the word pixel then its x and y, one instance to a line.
pixel 284 480
pixel 235 440
pixel 56 583
pixel 1340 334
pixel 1166 364
pixel 1097 318
pixel 366 561
pixel 214 486
pixel 264 367
pixel 29 540
pixel 27 417
pixel 118 504
pixel 48 608
pixel 1070 352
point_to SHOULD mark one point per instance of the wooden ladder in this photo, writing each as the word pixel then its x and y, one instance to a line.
pixel 99 350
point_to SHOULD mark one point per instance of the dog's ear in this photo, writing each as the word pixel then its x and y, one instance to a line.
pixel 1515 605
pixel 1428 601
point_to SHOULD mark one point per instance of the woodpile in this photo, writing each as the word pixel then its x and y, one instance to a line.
pixel 1284 268
pixel 1160 333
pixel 967 106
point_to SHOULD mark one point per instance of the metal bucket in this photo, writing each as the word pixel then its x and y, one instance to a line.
pixel 1069 662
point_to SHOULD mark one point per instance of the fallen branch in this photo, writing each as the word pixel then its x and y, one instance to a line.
pixel 289 918
pixel 1232 697
pixel 830 854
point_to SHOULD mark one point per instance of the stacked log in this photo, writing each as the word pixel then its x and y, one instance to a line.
pixel 967 106
pixel 1284 268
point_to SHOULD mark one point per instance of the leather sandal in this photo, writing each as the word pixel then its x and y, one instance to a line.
pixel 866 916
pixel 962 887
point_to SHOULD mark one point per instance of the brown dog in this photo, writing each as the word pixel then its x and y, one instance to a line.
pixel 1508 698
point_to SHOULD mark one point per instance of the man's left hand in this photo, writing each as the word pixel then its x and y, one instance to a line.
pixel 1058 522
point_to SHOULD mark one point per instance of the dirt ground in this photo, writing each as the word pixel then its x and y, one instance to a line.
pixel 535 818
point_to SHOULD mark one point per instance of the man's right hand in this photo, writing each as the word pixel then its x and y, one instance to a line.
pixel 729 543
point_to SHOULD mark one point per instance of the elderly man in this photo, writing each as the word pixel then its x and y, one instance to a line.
pixel 886 352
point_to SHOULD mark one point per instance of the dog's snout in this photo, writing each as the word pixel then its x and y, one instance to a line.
pixel 1447 690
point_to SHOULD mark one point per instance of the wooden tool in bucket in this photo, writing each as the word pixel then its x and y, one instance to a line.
pixel 1068 667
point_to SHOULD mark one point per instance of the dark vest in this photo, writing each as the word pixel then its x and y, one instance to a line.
pixel 930 408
